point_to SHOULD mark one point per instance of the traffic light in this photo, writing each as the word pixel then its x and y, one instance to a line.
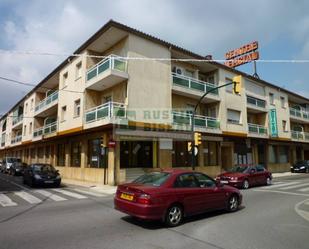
pixel 197 138
pixel 237 80
pixel 104 141
pixel 189 146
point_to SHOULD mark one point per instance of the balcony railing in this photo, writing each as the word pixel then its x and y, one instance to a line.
pixel 16 139
pixel 111 62
pixel 299 113
pixel 194 84
pixel 258 129
pixel 107 110
pixel 45 130
pixel 256 102
pixel 181 118
pixel 18 119
pixel 48 100
pixel 300 135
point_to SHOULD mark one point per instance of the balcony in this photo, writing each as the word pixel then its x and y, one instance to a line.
pixel 255 104
pixel 45 130
pixel 47 105
pixel 16 139
pixel 257 130
pixel 191 87
pixel 17 121
pixel 107 73
pixel 110 112
pixel 183 121
pixel 300 136
pixel 299 115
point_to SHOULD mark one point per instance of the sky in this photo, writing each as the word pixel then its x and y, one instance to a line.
pixel 203 26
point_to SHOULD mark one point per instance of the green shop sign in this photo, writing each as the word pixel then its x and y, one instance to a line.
pixel 273 123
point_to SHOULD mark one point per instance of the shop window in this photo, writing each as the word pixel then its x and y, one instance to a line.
pixel 32 153
pixel 97 155
pixel 210 153
pixel 272 154
pixel 47 151
pixel 283 154
pixel 180 155
pixel 75 154
pixel 40 152
pixel 60 155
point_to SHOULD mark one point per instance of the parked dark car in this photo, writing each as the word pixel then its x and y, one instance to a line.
pixel 41 174
pixel 246 176
pixel 171 195
pixel 17 168
pixel 300 167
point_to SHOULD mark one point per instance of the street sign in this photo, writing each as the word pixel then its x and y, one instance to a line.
pixel 112 144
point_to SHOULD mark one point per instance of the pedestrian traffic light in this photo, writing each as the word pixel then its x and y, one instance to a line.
pixel 197 138
pixel 104 141
pixel 237 81
pixel 189 146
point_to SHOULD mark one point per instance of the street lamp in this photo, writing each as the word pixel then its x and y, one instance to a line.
pixel 237 82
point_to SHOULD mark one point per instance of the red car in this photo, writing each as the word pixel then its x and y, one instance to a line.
pixel 170 195
pixel 246 176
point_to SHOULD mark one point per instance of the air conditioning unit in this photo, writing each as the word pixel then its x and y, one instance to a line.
pixel 178 70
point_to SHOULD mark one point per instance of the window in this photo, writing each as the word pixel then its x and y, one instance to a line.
pixel 284 126
pixel 25 130
pixel 204 180
pixel 32 153
pixel 63 113
pixel 189 73
pixel 78 70
pixel 229 88
pixel 75 154
pixel 31 106
pixel 282 101
pixel 60 155
pixel 77 108
pixel 30 128
pixel 271 99
pixel 210 153
pixel 186 181
pixel 180 155
pixel 65 79
pixel 26 108
pixel 47 151
pixel 233 116
pixel 283 154
pixel 272 154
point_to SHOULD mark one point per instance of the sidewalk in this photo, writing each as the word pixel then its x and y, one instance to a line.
pixel 96 187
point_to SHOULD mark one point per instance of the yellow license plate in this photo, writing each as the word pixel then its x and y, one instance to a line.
pixel 126 197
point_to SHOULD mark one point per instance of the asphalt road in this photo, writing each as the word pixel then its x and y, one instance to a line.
pixel 271 217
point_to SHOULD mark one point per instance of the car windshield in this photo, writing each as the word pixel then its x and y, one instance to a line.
pixel 153 179
pixel 43 168
pixel 239 169
pixel 301 163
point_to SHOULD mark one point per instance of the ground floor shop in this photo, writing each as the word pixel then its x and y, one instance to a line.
pixel 113 156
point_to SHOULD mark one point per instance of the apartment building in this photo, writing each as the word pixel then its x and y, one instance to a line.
pixel 101 117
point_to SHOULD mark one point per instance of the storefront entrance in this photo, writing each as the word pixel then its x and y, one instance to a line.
pixel 136 154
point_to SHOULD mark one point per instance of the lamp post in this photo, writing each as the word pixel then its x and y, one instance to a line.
pixel 193 117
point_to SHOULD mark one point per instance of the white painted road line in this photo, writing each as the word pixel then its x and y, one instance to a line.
pixel 28 197
pixel 89 193
pixel 50 195
pixel 71 194
pixel 295 186
pixel 280 185
pixel 6 201
pixel 304 190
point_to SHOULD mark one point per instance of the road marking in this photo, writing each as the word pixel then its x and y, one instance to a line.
pixel 280 192
pixel 6 201
pixel 71 194
pixel 304 190
pixel 27 197
pixel 50 195
pixel 89 193
pixel 295 186
pixel 280 185
pixel 300 212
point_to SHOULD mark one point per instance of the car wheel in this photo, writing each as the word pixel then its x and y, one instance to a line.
pixel 174 216
pixel 268 181
pixel 233 203
pixel 245 184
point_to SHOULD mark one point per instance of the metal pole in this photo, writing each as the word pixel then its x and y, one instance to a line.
pixel 193 119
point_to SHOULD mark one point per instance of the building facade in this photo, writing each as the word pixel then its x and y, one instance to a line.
pixel 102 117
